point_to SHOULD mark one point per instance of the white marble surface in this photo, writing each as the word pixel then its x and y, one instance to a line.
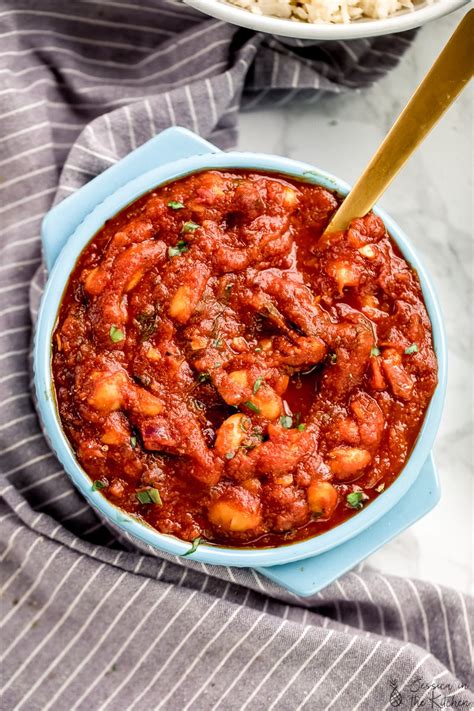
pixel 432 200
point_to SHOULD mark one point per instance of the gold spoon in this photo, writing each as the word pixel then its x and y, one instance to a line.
pixel 444 82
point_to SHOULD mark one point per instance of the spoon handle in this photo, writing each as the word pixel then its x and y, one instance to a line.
pixel 446 79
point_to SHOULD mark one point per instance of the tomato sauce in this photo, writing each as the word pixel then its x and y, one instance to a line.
pixel 227 374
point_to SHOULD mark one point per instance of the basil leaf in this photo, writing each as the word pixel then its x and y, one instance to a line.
pixel 116 334
pixel 286 421
pixel 354 499
pixel 411 349
pixel 189 226
pixel 248 424
pixel 149 496
pixel 180 248
pixel 147 325
pixel 193 548
pixel 154 495
pixel 143 379
pixel 175 205
pixel 143 497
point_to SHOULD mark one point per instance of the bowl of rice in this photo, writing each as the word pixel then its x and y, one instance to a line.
pixel 327 19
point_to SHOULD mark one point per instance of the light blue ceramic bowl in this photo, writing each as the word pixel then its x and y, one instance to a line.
pixel 114 202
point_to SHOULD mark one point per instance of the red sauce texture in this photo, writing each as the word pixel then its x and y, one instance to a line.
pixel 224 372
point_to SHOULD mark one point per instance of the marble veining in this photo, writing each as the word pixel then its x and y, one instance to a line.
pixel 432 200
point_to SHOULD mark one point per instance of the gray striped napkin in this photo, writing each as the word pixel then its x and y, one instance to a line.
pixel 89 622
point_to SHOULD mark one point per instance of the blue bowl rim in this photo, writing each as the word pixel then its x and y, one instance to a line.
pixel 131 526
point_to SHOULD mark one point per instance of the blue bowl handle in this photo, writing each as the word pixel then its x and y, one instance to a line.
pixel 307 577
pixel 169 145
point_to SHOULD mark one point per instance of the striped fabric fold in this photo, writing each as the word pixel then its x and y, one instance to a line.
pixel 90 620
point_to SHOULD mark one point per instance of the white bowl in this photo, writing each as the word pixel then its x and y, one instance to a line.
pixel 403 20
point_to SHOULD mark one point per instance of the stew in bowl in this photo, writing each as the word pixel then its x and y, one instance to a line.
pixel 227 375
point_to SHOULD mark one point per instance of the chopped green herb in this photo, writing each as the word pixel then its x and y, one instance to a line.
pixel 116 334
pixel 380 488
pixel 147 325
pixel 217 343
pixel 204 377
pixel 333 358
pixel 247 447
pixel 302 427
pixel 257 384
pixel 193 548
pixel 133 442
pixel 374 351
pixel 98 484
pixel 149 496
pixel 143 379
pixel 252 440
pixel 411 349
pixel 252 407
pixel 286 421
pixel 257 350
pixel 175 205
pixel 230 455
pixel 180 248
pixel 155 496
pixel 354 499
pixel 245 424
pixel 307 372
pixel 189 227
